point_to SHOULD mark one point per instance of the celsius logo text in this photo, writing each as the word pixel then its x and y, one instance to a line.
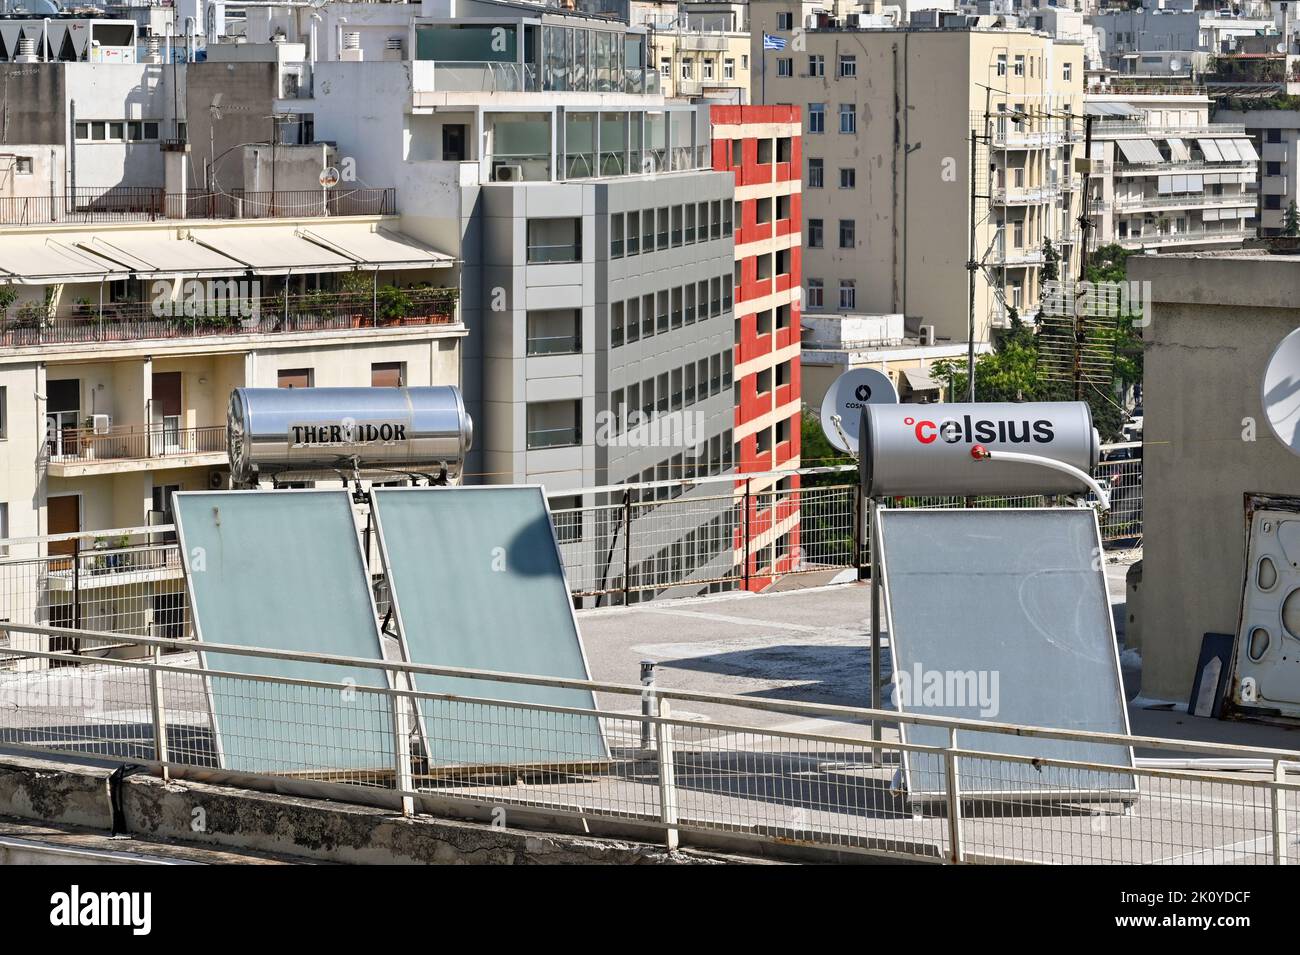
pixel 968 430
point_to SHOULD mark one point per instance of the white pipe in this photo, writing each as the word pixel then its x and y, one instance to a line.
pixel 980 453
pixel 338 37
pixel 190 26
pixel 45 40
pixel 311 55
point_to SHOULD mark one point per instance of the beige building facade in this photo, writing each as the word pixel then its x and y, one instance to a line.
pixel 888 117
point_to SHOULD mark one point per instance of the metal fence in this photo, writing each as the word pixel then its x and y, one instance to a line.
pixel 149 203
pixel 633 542
pixel 681 766
pixel 661 539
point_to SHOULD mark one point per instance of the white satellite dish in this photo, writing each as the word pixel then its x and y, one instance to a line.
pixel 1175 65
pixel 842 406
pixel 1282 392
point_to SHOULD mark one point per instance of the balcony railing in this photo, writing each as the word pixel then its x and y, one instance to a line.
pixel 277 314
pixel 553 438
pixel 146 204
pixel 554 345
pixel 133 443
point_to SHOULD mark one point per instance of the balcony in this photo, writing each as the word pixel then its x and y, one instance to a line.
pixel 484 76
pixel 79 452
pixel 1193 237
pixel 1025 195
pixel 148 204
pixel 1137 203
pixel 268 315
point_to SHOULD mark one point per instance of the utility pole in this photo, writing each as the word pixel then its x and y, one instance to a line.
pixel 972 263
pixel 1085 225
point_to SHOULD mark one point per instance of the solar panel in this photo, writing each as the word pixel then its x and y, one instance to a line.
pixel 476 581
pixel 1003 615
pixel 284 570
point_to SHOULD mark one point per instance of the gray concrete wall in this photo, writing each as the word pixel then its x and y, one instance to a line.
pixel 1215 323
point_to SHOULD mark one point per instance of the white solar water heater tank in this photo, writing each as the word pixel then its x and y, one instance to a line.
pixel 305 430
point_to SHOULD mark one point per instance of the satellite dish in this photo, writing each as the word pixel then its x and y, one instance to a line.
pixel 842 406
pixel 329 178
pixel 1175 65
pixel 1282 392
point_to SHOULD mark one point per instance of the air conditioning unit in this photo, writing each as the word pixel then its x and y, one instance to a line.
pixel 927 334
pixel 218 479
pixel 101 423
pixel 508 172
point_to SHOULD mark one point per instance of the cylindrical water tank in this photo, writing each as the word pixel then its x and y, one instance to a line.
pixel 371 430
pixel 925 450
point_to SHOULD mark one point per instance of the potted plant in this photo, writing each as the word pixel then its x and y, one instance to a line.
pixel 394 304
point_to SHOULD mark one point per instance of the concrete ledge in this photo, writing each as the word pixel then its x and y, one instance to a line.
pixel 55 792
pixel 276 824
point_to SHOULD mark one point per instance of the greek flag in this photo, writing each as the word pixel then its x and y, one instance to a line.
pixel 771 42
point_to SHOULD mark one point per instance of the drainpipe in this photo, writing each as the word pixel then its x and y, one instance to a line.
pixel 190 26
pixel 338 37
pixel 45 40
pixel 311 53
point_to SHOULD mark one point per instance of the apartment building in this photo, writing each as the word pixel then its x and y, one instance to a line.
pixel 1275 135
pixel 596 242
pixel 1166 178
pixel 760 146
pixel 888 117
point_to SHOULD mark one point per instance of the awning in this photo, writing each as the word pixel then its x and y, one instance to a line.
pixel 917 380
pixel 376 248
pixel 1178 150
pixel 156 254
pixel 272 250
pixel 1139 150
pixel 1210 150
pixel 1228 149
pixel 52 260
pixel 1111 109
pixel 1247 150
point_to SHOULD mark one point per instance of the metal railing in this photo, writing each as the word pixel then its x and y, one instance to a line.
pixel 624 544
pixel 272 314
pixel 148 203
pixel 142 442
pixel 735 770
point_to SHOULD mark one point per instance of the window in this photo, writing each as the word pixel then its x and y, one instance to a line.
pixel 554 240
pixel 677 226
pixel 294 378
pixel 633 233
pixel 814 233
pixel 708 69
pixel 1067 71
pixel 4 413
pixel 848 118
pixel 558 331
pixel 729 69
pixel 744 61
pixel 647 230
pixel 848 294
pixel 848 178
pixel 784 66
pixel 23 165
pixel 690 222
pixel 816 117
pixel 848 65
pixel 1019 69
pixel 1273 136
pixel 616 236
pixel 665 66
pixel 4 529
pixel 785 20
pixel 663 227
pixel 387 374
pixel 848 234
pixel 816 65
pixel 815 293
pixel 688 68
pixel 1002 64
pixel 553 424
pixel 815 169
